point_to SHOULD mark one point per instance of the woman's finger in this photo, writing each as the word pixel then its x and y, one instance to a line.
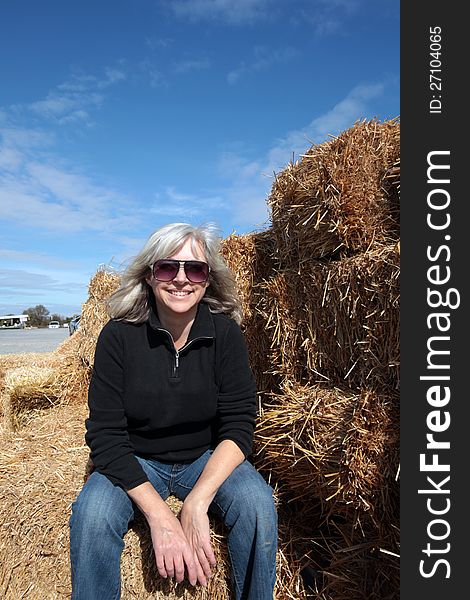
pixel 203 561
pixel 191 566
pixel 178 568
pixel 169 565
pixel 209 552
pixel 201 577
pixel 161 565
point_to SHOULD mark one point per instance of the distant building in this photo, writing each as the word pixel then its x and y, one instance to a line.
pixel 13 321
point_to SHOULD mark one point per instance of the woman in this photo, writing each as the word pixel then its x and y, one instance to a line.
pixel 172 407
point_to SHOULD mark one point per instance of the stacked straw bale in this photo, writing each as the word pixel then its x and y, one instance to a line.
pixel 356 563
pixel 330 433
pixel 337 321
pixel 335 446
pixel 340 196
pixel 73 372
pixel 253 260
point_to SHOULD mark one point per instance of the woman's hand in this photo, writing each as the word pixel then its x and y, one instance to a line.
pixel 173 553
pixel 195 525
pixel 194 519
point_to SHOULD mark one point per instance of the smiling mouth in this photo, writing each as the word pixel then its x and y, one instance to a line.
pixel 179 293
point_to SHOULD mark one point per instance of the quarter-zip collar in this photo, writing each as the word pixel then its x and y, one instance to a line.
pixel 202 327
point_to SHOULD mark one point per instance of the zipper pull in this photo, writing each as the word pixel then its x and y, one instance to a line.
pixel 177 362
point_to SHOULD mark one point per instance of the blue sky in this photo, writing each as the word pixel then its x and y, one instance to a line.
pixel 117 117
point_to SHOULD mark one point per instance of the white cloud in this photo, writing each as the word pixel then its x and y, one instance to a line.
pixel 173 203
pixel 231 163
pixel 53 198
pixel 69 108
pixel 37 188
pixel 154 43
pixel 22 288
pixel 155 76
pixel 34 283
pixel 25 139
pixel 42 192
pixel 72 100
pixel 10 159
pixel 326 17
pixel 19 257
pixel 112 76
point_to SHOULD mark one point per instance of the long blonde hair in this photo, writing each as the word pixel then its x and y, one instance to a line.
pixel 132 302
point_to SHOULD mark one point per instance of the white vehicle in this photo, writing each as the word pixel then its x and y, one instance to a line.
pixel 54 325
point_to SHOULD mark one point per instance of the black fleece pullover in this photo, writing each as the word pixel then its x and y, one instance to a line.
pixel 147 399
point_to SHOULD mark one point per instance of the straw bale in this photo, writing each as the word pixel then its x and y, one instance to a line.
pixel 340 196
pixel 333 446
pixel 141 578
pixel 253 259
pixel 29 359
pixel 296 557
pixel 12 361
pixel 338 561
pixel 338 321
pixel 27 390
pixel 94 313
pixel 34 382
pixel 69 345
pixel 40 359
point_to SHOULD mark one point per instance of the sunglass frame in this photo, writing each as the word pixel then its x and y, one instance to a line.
pixel 177 265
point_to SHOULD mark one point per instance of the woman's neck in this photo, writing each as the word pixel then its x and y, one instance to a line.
pixel 179 326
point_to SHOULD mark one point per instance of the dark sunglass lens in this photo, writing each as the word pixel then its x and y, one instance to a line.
pixel 165 270
pixel 196 272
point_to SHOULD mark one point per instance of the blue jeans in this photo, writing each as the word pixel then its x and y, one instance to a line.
pixel 102 513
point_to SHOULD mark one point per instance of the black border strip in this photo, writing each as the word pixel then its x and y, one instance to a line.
pixel 434 292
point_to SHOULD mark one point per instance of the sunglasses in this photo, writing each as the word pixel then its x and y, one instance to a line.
pixel 167 269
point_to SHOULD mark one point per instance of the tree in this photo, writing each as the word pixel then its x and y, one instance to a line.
pixel 38 316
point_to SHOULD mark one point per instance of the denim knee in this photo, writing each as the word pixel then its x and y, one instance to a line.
pixel 245 494
pixel 256 501
pixel 100 509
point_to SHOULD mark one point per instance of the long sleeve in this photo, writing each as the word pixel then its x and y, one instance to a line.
pixel 106 428
pixel 237 390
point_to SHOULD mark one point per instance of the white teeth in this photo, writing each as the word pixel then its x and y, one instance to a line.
pixel 177 293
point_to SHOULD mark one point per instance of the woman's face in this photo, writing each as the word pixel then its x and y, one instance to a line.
pixel 179 296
